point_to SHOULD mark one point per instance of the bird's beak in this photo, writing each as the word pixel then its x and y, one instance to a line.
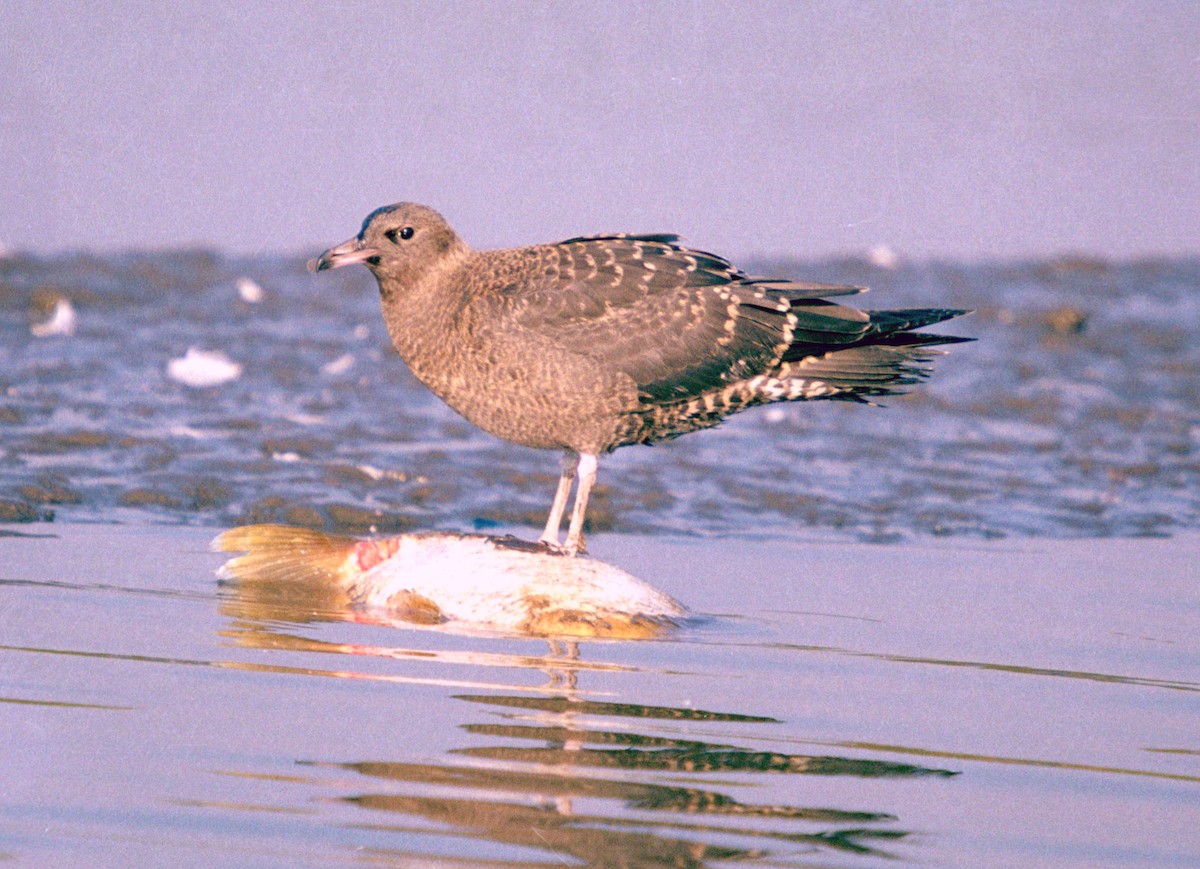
pixel 345 254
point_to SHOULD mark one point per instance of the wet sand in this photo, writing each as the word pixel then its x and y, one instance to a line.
pixel 949 703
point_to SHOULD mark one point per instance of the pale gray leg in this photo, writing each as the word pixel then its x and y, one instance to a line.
pixel 568 462
pixel 587 476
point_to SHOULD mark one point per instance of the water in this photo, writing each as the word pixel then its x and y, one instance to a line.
pixel 1010 679
pixel 949 704
pixel 1077 413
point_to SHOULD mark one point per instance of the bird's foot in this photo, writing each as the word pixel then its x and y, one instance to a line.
pixel 556 548
pixel 574 545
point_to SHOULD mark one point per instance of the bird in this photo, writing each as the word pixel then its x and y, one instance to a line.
pixel 602 341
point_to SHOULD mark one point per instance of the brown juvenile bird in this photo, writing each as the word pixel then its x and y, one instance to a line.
pixel 596 342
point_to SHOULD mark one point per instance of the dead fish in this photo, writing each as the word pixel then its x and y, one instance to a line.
pixel 466 580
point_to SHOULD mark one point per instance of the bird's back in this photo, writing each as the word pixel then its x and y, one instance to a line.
pixel 631 339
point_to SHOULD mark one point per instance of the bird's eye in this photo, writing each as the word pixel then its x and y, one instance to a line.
pixel 405 234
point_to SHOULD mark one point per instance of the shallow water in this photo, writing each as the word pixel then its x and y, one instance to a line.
pixel 949 704
pixel 1076 414
pixel 1010 681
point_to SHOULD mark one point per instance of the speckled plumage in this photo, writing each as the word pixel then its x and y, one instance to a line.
pixel 592 343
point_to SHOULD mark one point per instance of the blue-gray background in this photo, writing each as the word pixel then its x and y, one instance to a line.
pixel 959 129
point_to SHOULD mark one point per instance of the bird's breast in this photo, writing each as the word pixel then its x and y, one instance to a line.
pixel 517 385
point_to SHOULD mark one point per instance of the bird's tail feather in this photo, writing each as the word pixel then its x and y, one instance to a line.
pixel 874 370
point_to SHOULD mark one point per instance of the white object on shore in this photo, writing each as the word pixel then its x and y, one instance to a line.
pixel 202 368
pixel 62 321
pixel 250 290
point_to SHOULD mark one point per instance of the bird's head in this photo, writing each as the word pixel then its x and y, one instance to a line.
pixel 398 242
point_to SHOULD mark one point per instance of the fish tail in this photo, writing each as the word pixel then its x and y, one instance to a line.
pixel 284 560
pixel 276 553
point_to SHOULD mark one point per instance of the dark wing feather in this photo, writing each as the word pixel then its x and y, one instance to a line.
pixel 679 322
pixel 887 357
pixel 820 330
pixel 662 237
pixel 800 290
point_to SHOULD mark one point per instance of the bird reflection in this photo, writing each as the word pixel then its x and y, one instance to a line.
pixel 554 769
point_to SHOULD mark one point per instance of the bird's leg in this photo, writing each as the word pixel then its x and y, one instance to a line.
pixel 587 476
pixel 568 462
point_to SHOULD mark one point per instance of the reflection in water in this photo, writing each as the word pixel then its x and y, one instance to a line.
pixel 543 816
pixel 527 795
pixel 673 756
pixel 551 770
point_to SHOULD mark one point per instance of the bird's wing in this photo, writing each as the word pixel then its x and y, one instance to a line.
pixel 677 321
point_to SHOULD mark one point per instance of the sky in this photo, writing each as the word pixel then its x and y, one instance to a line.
pixel 956 129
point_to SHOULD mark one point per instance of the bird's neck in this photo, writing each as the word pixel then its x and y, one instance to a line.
pixel 421 313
